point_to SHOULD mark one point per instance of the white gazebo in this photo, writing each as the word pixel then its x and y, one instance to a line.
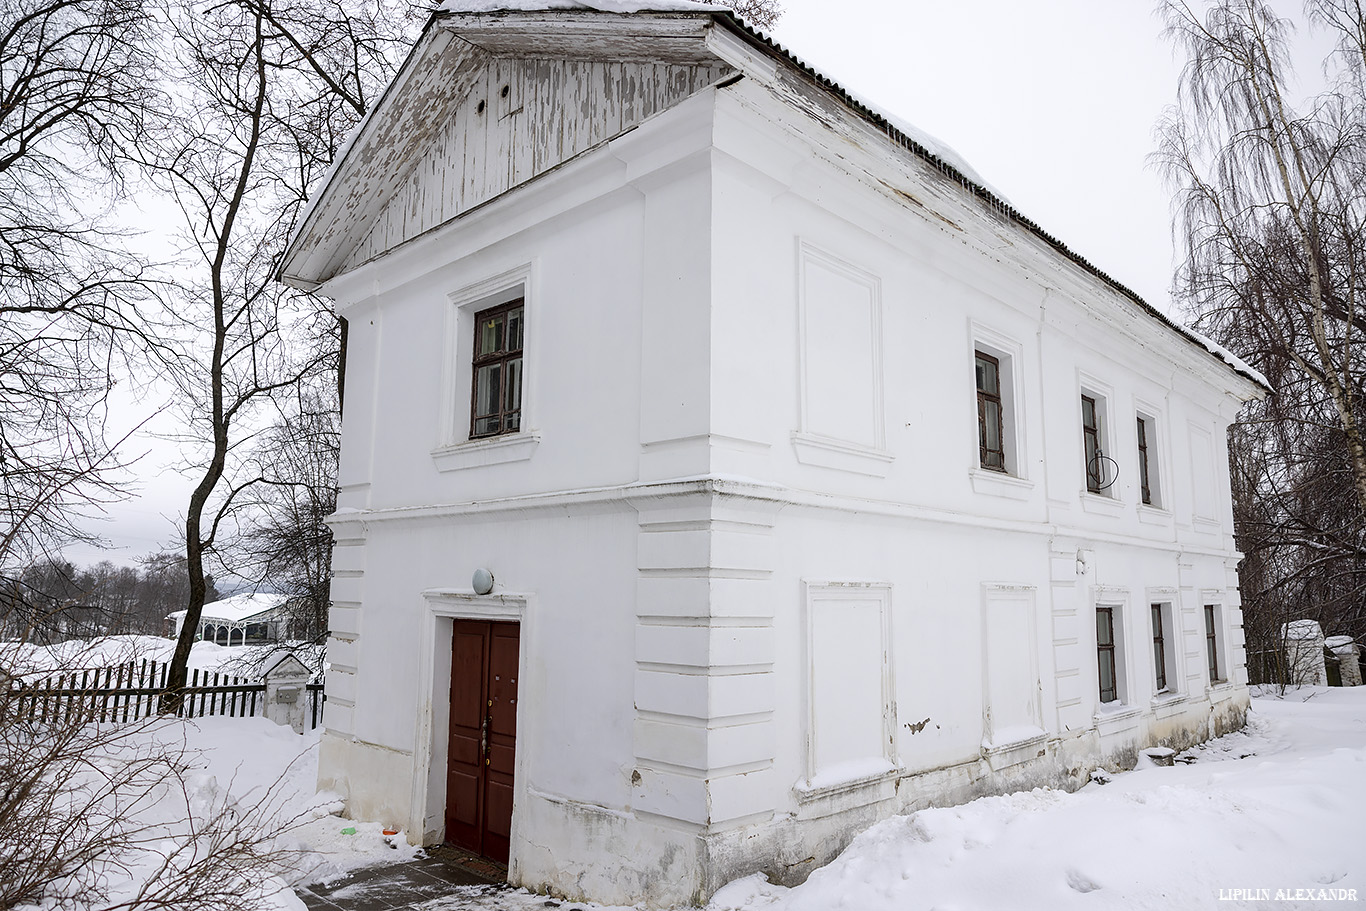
pixel 237 614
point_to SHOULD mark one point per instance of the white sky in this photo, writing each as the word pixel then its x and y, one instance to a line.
pixel 1053 102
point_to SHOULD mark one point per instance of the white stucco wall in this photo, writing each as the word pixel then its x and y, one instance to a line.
pixel 715 536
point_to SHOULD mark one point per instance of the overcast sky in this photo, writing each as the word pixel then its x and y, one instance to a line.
pixel 1053 102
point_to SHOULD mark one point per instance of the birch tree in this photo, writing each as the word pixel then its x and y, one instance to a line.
pixel 1271 209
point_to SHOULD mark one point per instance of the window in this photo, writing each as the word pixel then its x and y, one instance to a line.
pixel 1145 484
pixel 1090 429
pixel 990 424
pixel 1212 642
pixel 1105 654
pixel 1159 647
pixel 496 397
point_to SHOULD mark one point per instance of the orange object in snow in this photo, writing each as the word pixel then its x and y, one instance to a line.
pixel 391 831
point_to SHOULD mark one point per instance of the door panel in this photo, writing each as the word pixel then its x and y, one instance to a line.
pixel 482 750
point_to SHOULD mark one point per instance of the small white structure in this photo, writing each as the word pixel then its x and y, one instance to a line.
pixel 258 614
pixel 814 482
pixel 1304 653
pixel 286 689
pixel 1349 658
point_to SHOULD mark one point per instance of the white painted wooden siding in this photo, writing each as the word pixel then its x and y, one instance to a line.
pixel 520 118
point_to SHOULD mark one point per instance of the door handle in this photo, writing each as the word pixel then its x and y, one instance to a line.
pixel 484 739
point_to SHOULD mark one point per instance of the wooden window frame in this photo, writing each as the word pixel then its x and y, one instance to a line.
pixel 503 358
pixel 1101 649
pixel 1144 476
pixel 1212 643
pixel 1159 649
pixel 983 397
pixel 1090 436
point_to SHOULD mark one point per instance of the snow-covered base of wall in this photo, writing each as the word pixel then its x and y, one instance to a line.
pixel 580 852
pixel 375 782
pixel 788 849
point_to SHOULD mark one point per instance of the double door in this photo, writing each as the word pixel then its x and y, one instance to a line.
pixel 483 736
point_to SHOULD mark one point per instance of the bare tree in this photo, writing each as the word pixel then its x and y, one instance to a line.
pixel 763 13
pixel 1272 214
pixel 266 91
pixel 104 816
pixel 74 95
pixel 287 545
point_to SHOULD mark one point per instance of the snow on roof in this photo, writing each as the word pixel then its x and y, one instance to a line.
pixel 238 608
pixel 1303 629
pixel 1337 642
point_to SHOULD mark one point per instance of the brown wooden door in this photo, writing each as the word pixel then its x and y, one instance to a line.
pixel 483 736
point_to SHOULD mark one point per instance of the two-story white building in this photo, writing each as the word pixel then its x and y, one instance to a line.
pixel 725 468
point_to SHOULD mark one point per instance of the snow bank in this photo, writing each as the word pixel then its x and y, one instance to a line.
pixel 1259 810
pixel 27 660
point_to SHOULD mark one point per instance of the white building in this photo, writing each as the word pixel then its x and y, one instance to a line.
pixel 258 615
pixel 772 425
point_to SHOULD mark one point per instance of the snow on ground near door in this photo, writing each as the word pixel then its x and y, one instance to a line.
pixel 1277 807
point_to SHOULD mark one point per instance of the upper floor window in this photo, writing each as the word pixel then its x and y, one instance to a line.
pixel 1090 429
pixel 990 428
pixel 496 399
pixel 1149 489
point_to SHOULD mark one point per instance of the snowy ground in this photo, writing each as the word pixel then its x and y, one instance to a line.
pixel 1277 807
pixel 22 659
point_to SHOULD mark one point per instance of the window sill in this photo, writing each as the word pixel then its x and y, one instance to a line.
pixel 1167 704
pixel 512 447
pixel 1015 750
pixel 1220 690
pixel 1100 505
pixel 840 455
pixel 1122 717
pixel 823 797
pixel 1000 484
pixel 1154 515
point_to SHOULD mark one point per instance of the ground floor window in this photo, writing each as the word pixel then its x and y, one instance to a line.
pixel 1212 643
pixel 1105 654
pixel 1159 649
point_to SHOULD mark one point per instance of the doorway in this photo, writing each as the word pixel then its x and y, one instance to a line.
pixel 483 736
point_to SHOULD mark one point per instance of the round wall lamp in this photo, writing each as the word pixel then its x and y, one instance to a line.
pixel 483 581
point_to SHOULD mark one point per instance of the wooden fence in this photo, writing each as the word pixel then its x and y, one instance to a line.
pixel 127 692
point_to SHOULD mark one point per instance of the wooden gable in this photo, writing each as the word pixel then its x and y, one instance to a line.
pixel 519 119
pixel 487 103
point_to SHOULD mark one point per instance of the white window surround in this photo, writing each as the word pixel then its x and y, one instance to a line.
pixel 1202 460
pixel 455 450
pixel 1172 637
pixel 1013 732
pixel 813 442
pixel 1157 459
pixel 1014 482
pixel 864 773
pixel 1215 599
pixel 1103 395
pixel 1118 602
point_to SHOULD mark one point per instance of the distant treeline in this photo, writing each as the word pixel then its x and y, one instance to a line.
pixel 53 600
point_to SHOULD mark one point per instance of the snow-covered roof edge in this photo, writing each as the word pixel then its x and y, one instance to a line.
pixel 955 168
pixel 236 608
